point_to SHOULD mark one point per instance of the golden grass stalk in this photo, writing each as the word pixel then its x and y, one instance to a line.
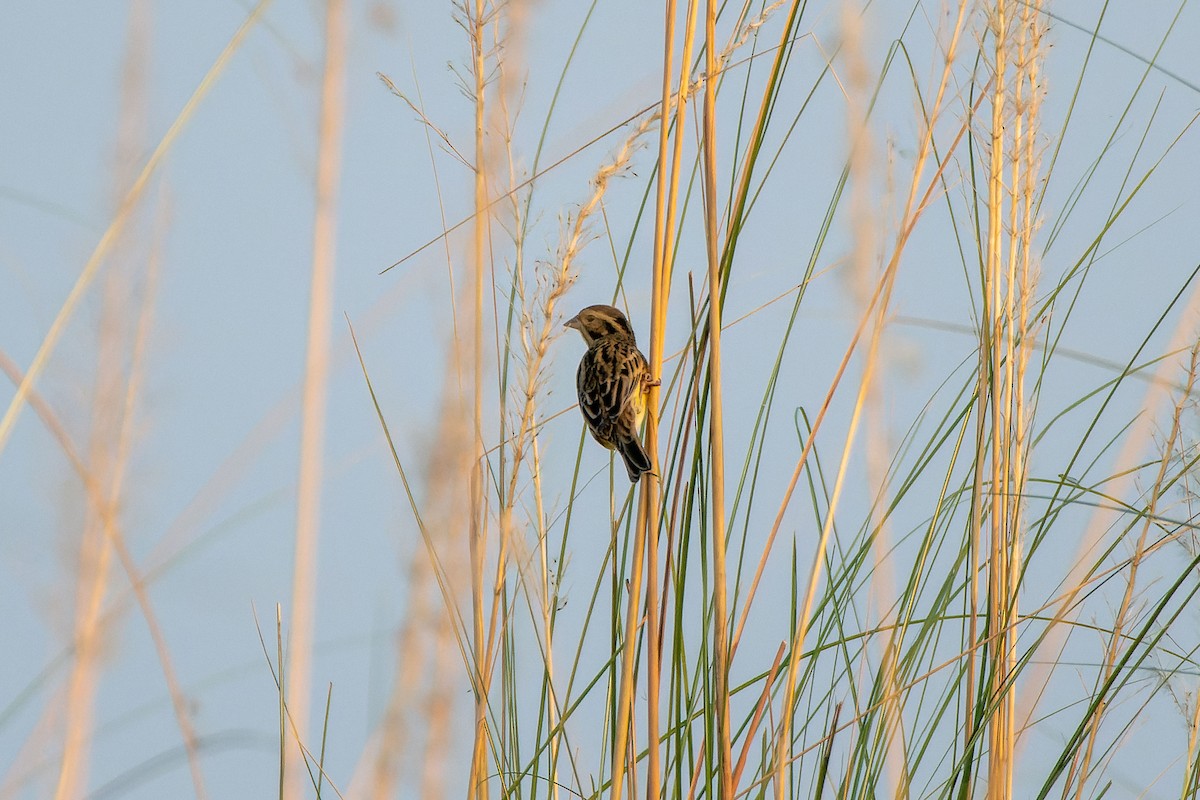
pixel 721 650
pixel 114 413
pixel 997 340
pixel 91 585
pixel 646 525
pixel 1005 350
pixel 477 785
pixel 667 197
pixel 316 376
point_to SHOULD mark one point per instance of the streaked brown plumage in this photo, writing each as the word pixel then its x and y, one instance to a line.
pixel 612 381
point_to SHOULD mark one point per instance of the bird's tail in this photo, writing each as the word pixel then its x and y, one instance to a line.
pixel 636 459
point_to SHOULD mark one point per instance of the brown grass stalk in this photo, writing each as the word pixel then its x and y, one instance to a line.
pixel 764 701
pixel 316 377
pixel 646 526
pixel 993 364
pixel 477 786
pixel 712 222
pixel 114 414
pixel 92 577
pixel 1005 350
pixel 666 197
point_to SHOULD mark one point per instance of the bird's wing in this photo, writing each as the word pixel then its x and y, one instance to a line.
pixel 608 376
pixel 593 394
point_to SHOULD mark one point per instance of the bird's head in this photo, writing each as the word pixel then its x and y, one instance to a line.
pixel 597 322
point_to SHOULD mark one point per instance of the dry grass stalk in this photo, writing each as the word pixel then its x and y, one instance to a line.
pixel 721 652
pixel 92 578
pixel 118 386
pixel 476 20
pixel 644 542
pixel 663 248
pixel 316 376
pixel 1006 347
pixel 993 397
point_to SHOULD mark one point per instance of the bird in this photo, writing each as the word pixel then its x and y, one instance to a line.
pixel 612 381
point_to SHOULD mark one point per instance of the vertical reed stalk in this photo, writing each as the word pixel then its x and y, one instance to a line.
pixel 648 509
pixel 316 378
pixel 113 413
pixel 95 558
pixel 666 201
pixel 646 525
pixel 1007 344
pixel 478 789
pixel 999 727
pixel 716 410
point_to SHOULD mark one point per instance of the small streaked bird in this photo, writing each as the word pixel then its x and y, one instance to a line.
pixel 612 380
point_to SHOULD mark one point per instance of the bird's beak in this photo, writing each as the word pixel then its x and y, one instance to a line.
pixel 573 322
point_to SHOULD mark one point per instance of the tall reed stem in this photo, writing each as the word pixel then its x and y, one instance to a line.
pixel 478 527
pixel 316 377
pixel 716 410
